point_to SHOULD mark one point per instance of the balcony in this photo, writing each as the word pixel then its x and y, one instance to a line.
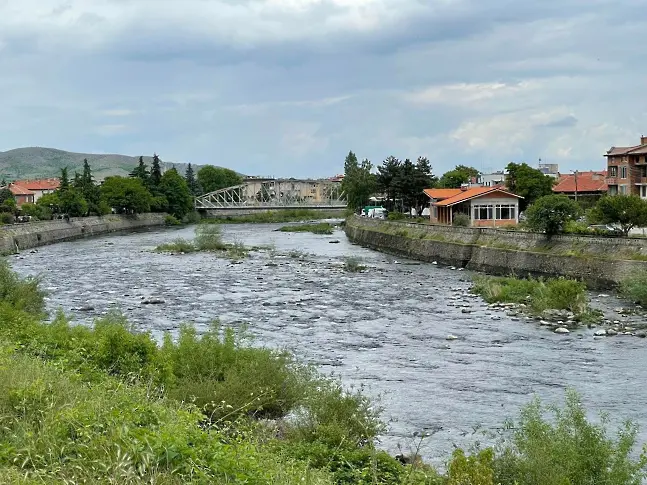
pixel 641 181
pixel 611 180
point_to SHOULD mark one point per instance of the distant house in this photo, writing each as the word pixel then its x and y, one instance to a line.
pixel 21 194
pixel 38 187
pixel 491 179
pixel 591 185
pixel 485 206
pixel 627 169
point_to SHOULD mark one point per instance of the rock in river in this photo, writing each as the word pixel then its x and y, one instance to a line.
pixel 452 337
pixel 600 333
pixel 562 330
pixel 153 301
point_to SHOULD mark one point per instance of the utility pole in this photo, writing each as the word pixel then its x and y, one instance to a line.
pixel 575 185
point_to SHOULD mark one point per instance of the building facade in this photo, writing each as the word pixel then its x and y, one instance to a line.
pixel 491 179
pixel 582 185
pixel 38 187
pixel 485 206
pixel 627 169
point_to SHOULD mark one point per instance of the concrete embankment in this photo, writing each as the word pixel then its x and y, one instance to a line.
pixel 600 262
pixel 31 235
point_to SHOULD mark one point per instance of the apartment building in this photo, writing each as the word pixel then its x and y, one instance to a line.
pixel 627 169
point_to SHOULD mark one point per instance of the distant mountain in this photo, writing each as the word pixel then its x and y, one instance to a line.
pixel 36 162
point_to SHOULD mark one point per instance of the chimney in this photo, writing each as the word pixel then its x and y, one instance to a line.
pixel 643 140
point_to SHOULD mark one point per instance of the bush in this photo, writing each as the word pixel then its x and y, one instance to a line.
pixel 634 287
pixel 179 245
pixel 321 228
pixel 396 216
pixel 193 217
pixel 461 220
pixel 36 211
pixel 6 218
pixel 550 214
pixel 567 449
pixel 209 238
pixel 628 211
pixel 471 470
pixel 353 265
pixel 170 220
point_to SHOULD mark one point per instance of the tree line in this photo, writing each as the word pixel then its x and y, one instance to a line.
pixel 146 189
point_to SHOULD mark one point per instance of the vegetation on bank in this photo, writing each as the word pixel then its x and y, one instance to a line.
pixel 538 295
pixel 277 216
pixel 108 405
pixel 207 238
pixel 634 288
pixel 353 265
pixel 321 228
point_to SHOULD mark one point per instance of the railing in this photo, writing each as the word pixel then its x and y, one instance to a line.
pixel 611 180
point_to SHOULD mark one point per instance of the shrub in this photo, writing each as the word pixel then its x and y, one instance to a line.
pixel 6 218
pixel 178 245
pixel 170 220
pixel 567 448
pixel 461 220
pixel 36 211
pixel 549 214
pixel 471 470
pixel 193 217
pixel 396 216
pixel 353 265
pixel 634 287
pixel 321 228
pixel 209 238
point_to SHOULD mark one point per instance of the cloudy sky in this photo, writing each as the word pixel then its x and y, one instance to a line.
pixel 287 87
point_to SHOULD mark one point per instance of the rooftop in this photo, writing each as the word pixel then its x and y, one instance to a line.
pixel 19 190
pixel 39 184
pixel 586 182
pixel 465 195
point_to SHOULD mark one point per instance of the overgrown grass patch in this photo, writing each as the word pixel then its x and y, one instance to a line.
pixel 321 228
pixel 634 287
pixel 353 265
pixel 538 294
pixel 179 245
pixel 268 217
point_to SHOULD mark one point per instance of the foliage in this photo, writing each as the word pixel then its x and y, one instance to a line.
pixel 173 187
pixel 179 245
pixel 192 217
pixel 192 181
pixel 396 216
pixel 538 294
pixel 634 287
pixel 461 220
pixel 126 195
pixel 405 181
pixel 5 195
pixel 6 218
pixel 359 183
pixel 37 211
pixel 566 448
pixel 551 213
pixel 156 174
pixel 321 228
pixel 209 238
pixel 628 211
pixel 72 202
pixel 51 202
pixel 471 470
pixel 89 190
pixel 141 172
pixel 353 265
pixel 530 183
pixel 457 177
pixel 213 178
pixel 267 217
pixel 170 220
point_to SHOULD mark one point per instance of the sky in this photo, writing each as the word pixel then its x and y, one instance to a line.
pixel 288 87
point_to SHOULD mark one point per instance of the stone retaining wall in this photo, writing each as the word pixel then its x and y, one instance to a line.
pixel 25 236
pixel 502 252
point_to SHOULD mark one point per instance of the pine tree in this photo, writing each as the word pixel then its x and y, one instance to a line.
pixel 65 180
pixel 141 172
pixel 156 172
pixel 191 181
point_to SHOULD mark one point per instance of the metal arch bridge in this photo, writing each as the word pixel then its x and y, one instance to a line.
pixel 275 194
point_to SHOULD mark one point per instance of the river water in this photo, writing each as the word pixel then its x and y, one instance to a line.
pixel 385 329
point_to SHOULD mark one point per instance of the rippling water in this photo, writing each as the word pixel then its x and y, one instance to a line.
pixel 385 329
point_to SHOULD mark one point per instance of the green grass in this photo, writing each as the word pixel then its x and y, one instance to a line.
pixel 634 287
pixel 290 215
pixel 538 294
pixel 321 228
pixel 353 265
pixel 179 245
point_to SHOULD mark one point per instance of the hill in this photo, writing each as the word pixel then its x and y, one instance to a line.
pixel 36 162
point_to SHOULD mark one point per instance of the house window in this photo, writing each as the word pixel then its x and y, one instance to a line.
pixel 622 189
pixel 498 211
pixel 623 172
pixel 613 189
pixel 613 171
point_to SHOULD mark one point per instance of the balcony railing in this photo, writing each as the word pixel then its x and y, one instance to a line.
pixel 612 181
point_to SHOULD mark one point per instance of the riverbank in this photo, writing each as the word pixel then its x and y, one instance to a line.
pixel 18 237
pixel 250 216
pixel 599 262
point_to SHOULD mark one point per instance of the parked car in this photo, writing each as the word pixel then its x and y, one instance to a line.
pixel 607 229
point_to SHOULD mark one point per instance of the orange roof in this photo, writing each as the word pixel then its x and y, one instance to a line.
pixel 19 190
pixel 41 184
pixel 439 194
pixel 472 193
pixel 586 182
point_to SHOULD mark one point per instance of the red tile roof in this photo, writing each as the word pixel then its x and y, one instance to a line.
pixel 635 150
pixel 19 190
pixel 440 194
pixel 586 182
pixel 473 193
pixel 41 184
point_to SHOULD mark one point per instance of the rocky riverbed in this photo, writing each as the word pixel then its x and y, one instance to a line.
pixel 444 364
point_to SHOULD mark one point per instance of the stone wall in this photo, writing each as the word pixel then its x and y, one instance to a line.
pixel 31 235
pixel 503 252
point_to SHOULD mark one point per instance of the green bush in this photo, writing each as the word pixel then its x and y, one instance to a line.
pixel 178 245
pixel 193 217
pixel 209 238
pixel 550 214
pixel 39 212
pixel 461 220
pixel 321 228
pixel 170 220
pixel 396 216
pixel 471 470
pixel 353 265
pixel 267 217
pixel 634 287
pixel 6 218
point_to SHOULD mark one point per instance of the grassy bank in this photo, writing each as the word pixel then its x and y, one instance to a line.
pixel 634 288
pixel 321 228
pixel 291 215
pixel 108 405
pixel 537 295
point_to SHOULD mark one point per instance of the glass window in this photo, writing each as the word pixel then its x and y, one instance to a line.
pixel 623 172
pixel 613 171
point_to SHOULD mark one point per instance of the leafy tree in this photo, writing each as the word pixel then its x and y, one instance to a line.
pixel 73 203
pixel 176 191
pixel 192 182
pixel 213 178
pixel 126 195
pixel 38 211
pixel 50 201
pixel 6 194
pixel 528 182
pixel 156 173
pixel 359 183
pixel 549 214
pixel 141 172
pixel 457 177
pixel 628 211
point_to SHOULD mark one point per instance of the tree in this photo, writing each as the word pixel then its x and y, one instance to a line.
pixel 73 203
pixel 64 179
pixel 549 214
pixel 386 176
pixel 528 182
pixel 457 177
pixel 156 173
pixel 6 194
pixel 213 178
pixel 176 191
pixel 90 190
pixel 141 172
pixel 126 195
pixel 359 183
pixel 192 182
pixel 51 202
pixel 628 211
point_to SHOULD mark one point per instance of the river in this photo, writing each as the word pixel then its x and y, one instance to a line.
pixel 385 329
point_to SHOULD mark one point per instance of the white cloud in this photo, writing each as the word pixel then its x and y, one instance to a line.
pixel 465 94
